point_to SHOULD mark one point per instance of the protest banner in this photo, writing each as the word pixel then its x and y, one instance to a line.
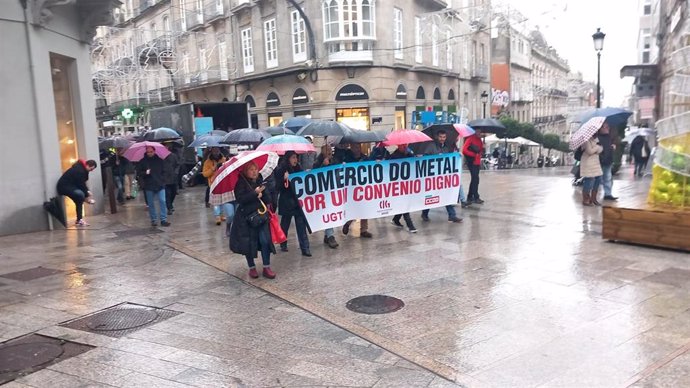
pixel 333 195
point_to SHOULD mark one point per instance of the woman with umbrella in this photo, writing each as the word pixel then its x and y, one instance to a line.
pixel 288 205
pixel 590 166
pixel 212 163
pixel 151 169
pixel 245 238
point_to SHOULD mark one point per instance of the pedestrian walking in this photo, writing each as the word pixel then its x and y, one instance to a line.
pixel 288 205
pixel 120 166
pixel 247 238
pixel 356 155
pixel 591 171
pixel 172 172
pixel 212 163
pixel 440 145
pixel 607 142
pixel 151 169
pixel 639 151
pixel 403 152
pixel 473 149
pixel 325 159
pixel 72 184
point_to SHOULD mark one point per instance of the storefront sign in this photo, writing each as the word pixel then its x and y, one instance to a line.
pixel 351 92
pixel 272 99
pixel 300 97
pixel 333 195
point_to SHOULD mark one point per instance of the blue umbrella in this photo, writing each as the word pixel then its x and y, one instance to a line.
pixel 295 123
pixel 613 116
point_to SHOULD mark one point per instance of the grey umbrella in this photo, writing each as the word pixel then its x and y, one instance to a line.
pixel 295 123
pixel 160 134
pixel 360 136
pixel 114 142
pixel 324 128
pixel 245 136
pixel 275 131
pixel 488 126
pixel 218 132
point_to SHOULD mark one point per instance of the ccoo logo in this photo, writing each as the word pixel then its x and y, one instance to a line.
pixel 384 205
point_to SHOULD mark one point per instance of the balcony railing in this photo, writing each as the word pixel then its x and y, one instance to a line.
pixel 480 71
pixel 195 19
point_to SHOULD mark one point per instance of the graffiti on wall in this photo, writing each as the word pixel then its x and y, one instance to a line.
pixel 500 97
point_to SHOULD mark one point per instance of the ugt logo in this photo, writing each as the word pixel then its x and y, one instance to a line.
pixel 384 205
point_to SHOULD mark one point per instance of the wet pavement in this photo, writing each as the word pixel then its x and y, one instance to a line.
pixel 523 293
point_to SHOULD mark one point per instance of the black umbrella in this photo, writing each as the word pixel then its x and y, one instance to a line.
pixel 275 131
pixel 360 136
pixel 245 136
pixel 160 134
pixel 295 123
pixel 432 131
pixel 54 207
pixel 488 126
pixel 114 142
pixel 324 128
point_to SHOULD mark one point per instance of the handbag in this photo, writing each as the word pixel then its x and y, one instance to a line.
pixel 258 217
pixel 474 148
pixel 277 234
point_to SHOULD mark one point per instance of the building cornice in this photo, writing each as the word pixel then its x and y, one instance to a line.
pixel 92 13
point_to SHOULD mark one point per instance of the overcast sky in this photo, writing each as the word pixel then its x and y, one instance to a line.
pixel 568 26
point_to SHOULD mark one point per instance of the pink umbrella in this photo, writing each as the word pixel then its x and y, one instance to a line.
pixel 463 130
pixel 586 131
pixel 229 173
pixel 405 136
pixel 282 143
pixel 137 151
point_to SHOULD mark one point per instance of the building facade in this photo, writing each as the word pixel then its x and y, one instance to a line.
pixel 48 104
pixel 550 88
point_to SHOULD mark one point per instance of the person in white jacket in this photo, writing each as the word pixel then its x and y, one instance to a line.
pixel 590 170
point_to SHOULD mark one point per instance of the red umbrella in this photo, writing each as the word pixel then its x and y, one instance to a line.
pixel 227 175
pixel 405 136
pixel 136 152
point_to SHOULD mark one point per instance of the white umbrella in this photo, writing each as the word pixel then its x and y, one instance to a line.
pixel 585 132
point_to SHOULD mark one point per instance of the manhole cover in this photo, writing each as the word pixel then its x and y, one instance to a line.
pixel 23 356
pixel 375 304
pixel 31 274
pixel 137 232
pixel 121 319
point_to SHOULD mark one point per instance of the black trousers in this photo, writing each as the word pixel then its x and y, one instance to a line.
pixel 406 217
pixel 170 194
pixel 473 192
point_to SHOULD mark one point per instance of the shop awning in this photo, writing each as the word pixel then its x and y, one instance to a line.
pixel 640 71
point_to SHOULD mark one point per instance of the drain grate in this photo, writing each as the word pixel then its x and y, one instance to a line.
pixel 137 232
pixel 28 354
pixel 31 274
pixel 375 304
pixel 120 320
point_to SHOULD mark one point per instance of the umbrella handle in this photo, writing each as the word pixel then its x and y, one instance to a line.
pixel 264 206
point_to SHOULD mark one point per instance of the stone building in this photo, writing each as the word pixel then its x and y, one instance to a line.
pixel 47 103
pixel 550 88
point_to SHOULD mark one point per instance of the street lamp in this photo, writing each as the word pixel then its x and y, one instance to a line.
pixel 598 38
pixel 484 98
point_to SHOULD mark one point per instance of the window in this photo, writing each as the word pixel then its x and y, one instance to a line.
pixel 466 55
pixel 418 39
pixel 154 33
pixel 351 21
pixel 398 33
pixel 299 40
pixel 247 50
pixel 331 20
pixel 482 59
pixel 185 66
pixel 449 51
pixel 647 10
pixel 223 58
pixel 166 23
pixel 368 18
pixel 183 15
pixel 203 62
pixel 270 43
pixel 434 45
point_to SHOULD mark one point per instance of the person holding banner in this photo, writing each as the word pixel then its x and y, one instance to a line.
pixel 441 146
pixel 325 159
pixel 356 155
pixel 288 205
pixel 403 152
pixel 246 237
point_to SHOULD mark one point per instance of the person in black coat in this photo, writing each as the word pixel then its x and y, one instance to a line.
pixel 72 184
pixel 403 152
pixel 120 166
pixel 639 150
pixel 151 170
pixel 288 205
pixel 172 172
pixel 245 239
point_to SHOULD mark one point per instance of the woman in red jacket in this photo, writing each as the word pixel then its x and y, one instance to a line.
pixel 473 149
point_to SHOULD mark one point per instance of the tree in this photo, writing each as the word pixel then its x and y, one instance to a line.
pixel 551 141
pixel 513 128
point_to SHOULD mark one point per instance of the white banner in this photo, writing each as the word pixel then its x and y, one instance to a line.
pixel 333 195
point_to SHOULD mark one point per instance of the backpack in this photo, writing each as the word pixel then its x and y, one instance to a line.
pixel 578 153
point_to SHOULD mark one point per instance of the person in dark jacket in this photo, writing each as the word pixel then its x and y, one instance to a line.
pixel 606 160
pixel 72 184
pixel 119 165
pixel 639 151
pixel 439 146
pixel 288 205
pixel 151 169
pixel 246 239
pixel 473 149
pixel 403 152
pixel 172 172
pixel 355 155
pixel 325 159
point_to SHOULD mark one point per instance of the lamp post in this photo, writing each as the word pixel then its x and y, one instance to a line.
pixel 598 38
pixel 484 98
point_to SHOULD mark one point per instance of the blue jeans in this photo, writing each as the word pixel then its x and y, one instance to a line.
pixel 120 185
pixel 607 179
pixel 461 196
pixel 228 208
pixel 449 208
pixel 591 183
pixel 329 232
pixel 300 226
pixel 78 197
pixel 160 195
pixel 264 241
